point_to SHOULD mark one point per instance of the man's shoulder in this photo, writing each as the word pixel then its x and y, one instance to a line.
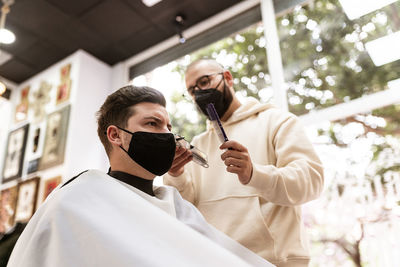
pixel 73 178
pixel 277 114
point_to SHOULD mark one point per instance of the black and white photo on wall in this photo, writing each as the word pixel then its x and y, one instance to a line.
pixel 34 147
pixel 14 154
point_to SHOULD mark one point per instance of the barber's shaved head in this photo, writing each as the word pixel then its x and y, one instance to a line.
pixel 215 77
pixel 205 62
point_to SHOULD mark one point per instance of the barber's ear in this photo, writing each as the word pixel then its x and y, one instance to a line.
pixel 228 78
pixel 113 135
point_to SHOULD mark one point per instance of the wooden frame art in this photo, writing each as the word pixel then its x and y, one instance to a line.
pixel 15 152
pixel 64 88
pixel 8 203
pixel 27 196
pixel 55 140
pixel 49 185
pixel 21 110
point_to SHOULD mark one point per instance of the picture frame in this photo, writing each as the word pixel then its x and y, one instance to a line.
pixel 33 165
pixel 39 100
pixel 8 204
pixel 35 141
pixel 26 202
pixel 15 152
pixel 55 139
pixel 64 88
pixel 21 110
pixel 49 185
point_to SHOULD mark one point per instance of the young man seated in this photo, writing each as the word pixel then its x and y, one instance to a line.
pixel 118 218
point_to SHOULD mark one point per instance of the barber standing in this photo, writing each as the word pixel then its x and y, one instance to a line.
pixel 257 181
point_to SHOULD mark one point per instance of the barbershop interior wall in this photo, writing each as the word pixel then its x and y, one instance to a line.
pixel 91 82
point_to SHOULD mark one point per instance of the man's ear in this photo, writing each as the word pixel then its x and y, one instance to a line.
pixel 113 135
pixel 228 78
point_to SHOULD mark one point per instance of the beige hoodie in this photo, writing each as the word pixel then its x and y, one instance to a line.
pixel 265 214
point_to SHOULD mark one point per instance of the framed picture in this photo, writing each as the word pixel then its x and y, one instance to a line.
pixel 55 140
pixel 33 165
pixel 15 152
pixel 63 90
pixel 21 110
pixel 8 203
pixel 26 203
pixel 40 98
pixel 35 141
pixel 49 185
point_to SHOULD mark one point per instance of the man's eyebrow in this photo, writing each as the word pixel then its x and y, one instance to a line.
pixel 158 120
pixel 153 117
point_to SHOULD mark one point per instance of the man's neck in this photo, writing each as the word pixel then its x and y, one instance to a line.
pixel 232 107
pixel 129 166
pixel 137 182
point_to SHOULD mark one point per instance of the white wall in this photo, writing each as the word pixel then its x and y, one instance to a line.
pixel 84 149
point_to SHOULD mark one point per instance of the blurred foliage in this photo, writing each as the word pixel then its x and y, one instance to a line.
pixel 180 122
pixel 324 58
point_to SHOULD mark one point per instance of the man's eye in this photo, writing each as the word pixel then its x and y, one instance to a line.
pixel 203 82
pixel 152 123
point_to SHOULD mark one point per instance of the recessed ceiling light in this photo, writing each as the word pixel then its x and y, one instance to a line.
pixel 6 36
pixel 385 49
pixel 150 3
pixel 357 8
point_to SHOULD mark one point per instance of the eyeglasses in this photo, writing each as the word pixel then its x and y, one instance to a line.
pixel 203 83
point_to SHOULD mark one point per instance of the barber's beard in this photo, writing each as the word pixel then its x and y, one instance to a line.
pixel 221 100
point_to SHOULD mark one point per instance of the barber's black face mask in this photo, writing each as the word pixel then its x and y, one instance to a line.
pixel 220 100
pixel 153 151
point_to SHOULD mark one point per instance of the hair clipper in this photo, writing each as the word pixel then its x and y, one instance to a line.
pixel 199 157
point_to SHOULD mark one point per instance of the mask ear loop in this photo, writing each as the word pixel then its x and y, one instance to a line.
pixel 126 132
pixel 129 132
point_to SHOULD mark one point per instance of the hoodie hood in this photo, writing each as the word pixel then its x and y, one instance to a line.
pixel 248 108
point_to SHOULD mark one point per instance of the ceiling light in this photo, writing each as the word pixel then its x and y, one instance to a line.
pixel 150 3
pixel 6 36
pixel 357 8
pixel 179 24
pixel 2 88
pixel 385 49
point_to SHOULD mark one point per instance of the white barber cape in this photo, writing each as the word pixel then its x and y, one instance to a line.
pixel 96 220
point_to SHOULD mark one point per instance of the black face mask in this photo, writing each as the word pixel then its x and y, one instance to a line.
pixel 153 151
pixel 221 101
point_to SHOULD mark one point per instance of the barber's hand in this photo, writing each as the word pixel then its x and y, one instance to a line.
pixel 182 156
pixel 237 160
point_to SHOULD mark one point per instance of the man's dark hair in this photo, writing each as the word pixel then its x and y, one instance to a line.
pixel 117 108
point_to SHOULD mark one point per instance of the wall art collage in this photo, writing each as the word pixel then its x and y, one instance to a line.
pixel 36 142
